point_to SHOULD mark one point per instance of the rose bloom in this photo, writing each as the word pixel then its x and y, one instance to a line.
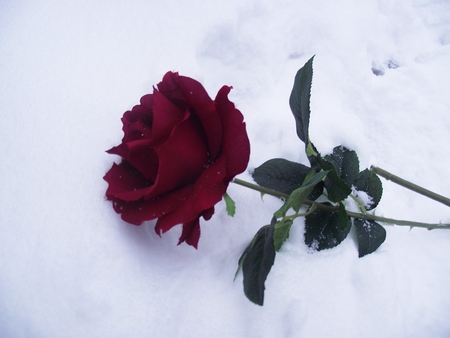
pixel 179 152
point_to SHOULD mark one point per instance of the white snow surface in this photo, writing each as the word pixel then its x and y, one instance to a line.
pixel 70 267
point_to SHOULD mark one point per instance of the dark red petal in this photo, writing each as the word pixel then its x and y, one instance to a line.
pixel 137 123
pixel 182 158
pixel 147 101
pixel 191 230
pixel 142 210
pixel 121 150
pixel 166 116
pixel 191 233
pixel 197 97
pixel 138 130
pixel 208 190
pixel 207 214
pixel 125 182
pixel 235 144
pixel 137 113
pixel 187 92
pixel 142 157
pixel 169 86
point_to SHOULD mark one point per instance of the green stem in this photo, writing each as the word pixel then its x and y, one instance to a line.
pixel 429 226
pixel 303 214
pixel 412 224
pixel 411 186
pixel 261 189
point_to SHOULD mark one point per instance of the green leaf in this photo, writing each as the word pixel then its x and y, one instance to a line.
pixel 280 175
pixel 337 189
pixel 370 183
pixel 343 218
pixel 299 100
pixel 230 205
pixel 370 236
pixel 281 233
pixel 298 196
pixel 247 249
pixel 323 229
pixel 257 262
pixel 345 162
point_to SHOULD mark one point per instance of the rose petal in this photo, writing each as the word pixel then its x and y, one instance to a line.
pixel 235 144
pixel 138 130
pixel 196 95
pixel 191 230
pixel 182 158
pixel 191 233
pixel 208 190
pixel 125 182
pixel 147 101
pixel 137 123
pixel 140 155
pixel 142 210
pixel 166 116
pixel 207 214
pixel 184 89
pixel 121 150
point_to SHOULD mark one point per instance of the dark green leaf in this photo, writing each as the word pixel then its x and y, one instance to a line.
pixel 370 183
pixel 337 189
pixel 281 175
pixel 257 262
pixel 346 163
pixel 323 229
pixel 343 218
pixel 298 196
pixel 317 192
pixel 370 236
pixel 281 233
pixel 299 100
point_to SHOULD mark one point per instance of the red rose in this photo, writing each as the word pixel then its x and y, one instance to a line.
pixel 180 150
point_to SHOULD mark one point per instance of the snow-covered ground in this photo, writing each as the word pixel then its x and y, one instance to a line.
pixel 69 267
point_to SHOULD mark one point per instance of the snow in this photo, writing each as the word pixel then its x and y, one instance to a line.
pixel 70 267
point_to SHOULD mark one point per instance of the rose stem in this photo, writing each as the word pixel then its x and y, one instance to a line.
pixel 411 186
pixel 429 226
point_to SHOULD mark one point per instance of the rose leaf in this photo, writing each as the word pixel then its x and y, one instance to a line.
pixel 370 183
pixel 256 262
pixel 336 187
pixel 281 233
pixel 323 229
pixel 299 195
pixel 345 162
pixel 280 175
pixel 299 100
pixel 370 236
